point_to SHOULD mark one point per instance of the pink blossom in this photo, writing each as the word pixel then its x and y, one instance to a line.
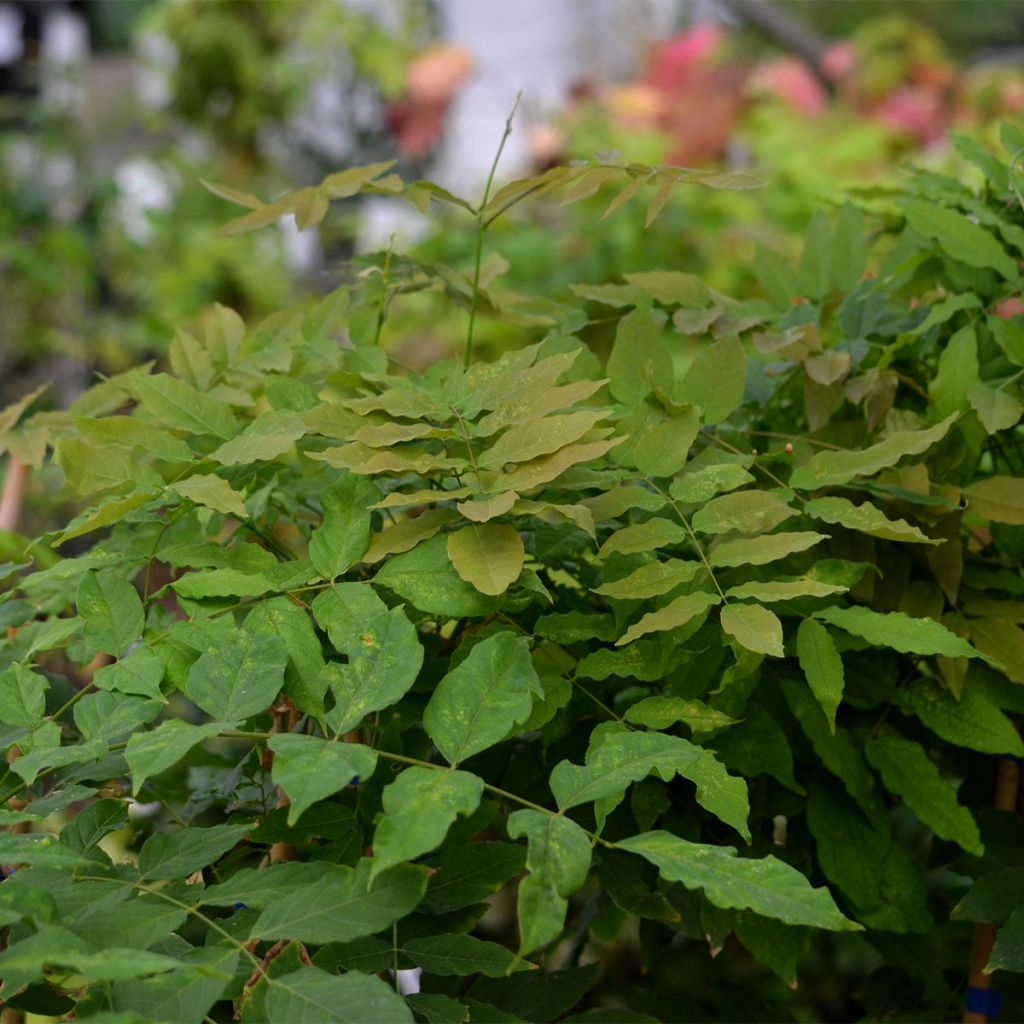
pixel 793 82
pixel 678 58
pixel 919 112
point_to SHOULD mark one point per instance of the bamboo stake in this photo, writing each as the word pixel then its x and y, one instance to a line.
pixel 1008 778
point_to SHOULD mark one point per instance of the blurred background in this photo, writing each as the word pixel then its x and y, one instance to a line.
pixel 112 111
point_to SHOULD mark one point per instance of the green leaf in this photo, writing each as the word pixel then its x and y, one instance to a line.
pixel 829 468
pixel 131 432
pixel 715 380
pixel 477 703
pixel 312 996
pixel 489 556
pixel 309 769
pixel 640 537
pixel 908 772
pixel 998 410
pixel 178 854
pixel 766 886
pixel 993 897
pixel 784 589
pixel 744 511
pixel 703 484
pixel 426 578
pixel 612 504
pixel 261 887
pixel 753 627
pixel 662 450
pixel 235 682
pixel 676 613
pixel 269 435
pixel 769 547
pixel 899 631
pixel 557 859
pixel 973 721
pixel 213 492
pixel 24 961
pixel 822 665
pixel 815 273
pixel 463 955
pixel 758 746
pixel 89 826
pixel 959 237
pixel 467 874
pixel 112 611
pixel 651 580
pixel 303 680
pixel 848 250
pixel 1008 952
pixel 139 673
pixel 343 904
pixel 865 518
pixel 664 712
pixel 384 659
pixel 88 469
pixel 186 994
pixel 150 753
pixel 998 498
pixel 22 696
pixel 625 757
pixel 833 747
pixel 419 808
pixel 344 535
pixel 875 874
pixel 431 1008
pixel 639 356
pixel 957 373
pixel 111 509
pixel 180 406
pixel 40 849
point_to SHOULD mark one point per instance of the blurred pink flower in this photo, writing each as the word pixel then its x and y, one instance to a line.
pixel 1009 308
pixel 918 112
pixel 793 82
pixel 679 58
pixel 840 60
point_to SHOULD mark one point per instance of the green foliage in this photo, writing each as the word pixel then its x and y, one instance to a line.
pixel 383 644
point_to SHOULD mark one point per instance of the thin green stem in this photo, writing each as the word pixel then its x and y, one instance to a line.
pixel 482 228
pixel 693 538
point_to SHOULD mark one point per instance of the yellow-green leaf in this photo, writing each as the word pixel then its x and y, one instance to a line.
pixel 489 556
pixel 754 627
pixel 744 511
pixel 651 580
pixel 760 550
pixel 213 492
pixel 865 518
pixel 534 438
pixel 999 499
pixel 676 613
pixel 828 468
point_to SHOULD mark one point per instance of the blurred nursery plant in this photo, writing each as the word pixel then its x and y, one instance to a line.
pixel 683 647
